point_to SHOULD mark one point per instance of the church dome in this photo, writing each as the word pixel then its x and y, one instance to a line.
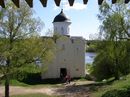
pixel 61 17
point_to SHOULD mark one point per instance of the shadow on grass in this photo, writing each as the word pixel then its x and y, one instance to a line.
pixel 96 85
pixel 82 90
pixel 35 79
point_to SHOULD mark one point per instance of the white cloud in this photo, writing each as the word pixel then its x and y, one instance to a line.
pixel 65 5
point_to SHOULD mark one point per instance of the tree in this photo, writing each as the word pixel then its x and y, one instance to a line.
pixel 115 20
pixel 20 43
pixel 114 29
pixel 111 61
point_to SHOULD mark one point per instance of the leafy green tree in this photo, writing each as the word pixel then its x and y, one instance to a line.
pixel 115 20
pixel 114 30
pixel 20 43
pixel 102 65
pixel 110 60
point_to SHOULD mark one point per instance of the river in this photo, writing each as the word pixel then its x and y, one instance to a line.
pixel 89 57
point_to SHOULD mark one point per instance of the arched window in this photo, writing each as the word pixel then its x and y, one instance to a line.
pixel 55 29
pixel 68 29
pixel 62 30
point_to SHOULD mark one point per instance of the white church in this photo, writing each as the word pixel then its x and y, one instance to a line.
pixel 70 56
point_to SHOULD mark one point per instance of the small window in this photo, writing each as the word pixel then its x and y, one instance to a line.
pixel 63 46
pixel 68 29
pixel 72 40
pixel 77 50
pixel 62 29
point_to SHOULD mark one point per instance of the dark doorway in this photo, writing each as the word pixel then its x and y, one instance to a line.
pixel 63 72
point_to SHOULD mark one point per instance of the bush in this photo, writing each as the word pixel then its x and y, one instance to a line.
pixel 88 77
pixel 117 93
pixel 89 68
pixel 31 78
pixel 91 48
pixel 103 67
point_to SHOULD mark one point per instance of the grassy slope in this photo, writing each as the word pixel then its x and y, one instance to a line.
pixel 121 84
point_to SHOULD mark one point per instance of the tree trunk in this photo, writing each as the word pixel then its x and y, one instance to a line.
pixel 117 77
pixel 6 86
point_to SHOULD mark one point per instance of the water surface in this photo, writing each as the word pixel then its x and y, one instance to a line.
pixel 89 57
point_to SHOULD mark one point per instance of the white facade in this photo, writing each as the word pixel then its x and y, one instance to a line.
pixel 70 55
pixel 61 28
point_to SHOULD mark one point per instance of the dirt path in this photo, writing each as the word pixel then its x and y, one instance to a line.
pixel 14 90
pixel 70 90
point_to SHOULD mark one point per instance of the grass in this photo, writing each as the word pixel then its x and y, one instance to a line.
pixel 45 83
pixel 96 89
pixel 120 84
pixel 33 95
pixel 37 83
pixel 33 79
pixel 15 83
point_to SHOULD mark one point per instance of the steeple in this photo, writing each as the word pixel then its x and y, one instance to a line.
pixel 61 17
pixel 61 11
pixel 61 24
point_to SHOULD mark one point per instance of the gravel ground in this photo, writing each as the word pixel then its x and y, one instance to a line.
pixel 78 89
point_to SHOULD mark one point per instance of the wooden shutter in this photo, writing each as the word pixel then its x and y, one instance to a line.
pixel 57 2
pixel 2 4
pixel 71 2
pixel 30 3
pixel 16 2
pixel 44 3
pixel 100 2
pixel 85 1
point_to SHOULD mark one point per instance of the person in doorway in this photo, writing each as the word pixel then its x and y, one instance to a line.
pixel 62 77
pixel 68 78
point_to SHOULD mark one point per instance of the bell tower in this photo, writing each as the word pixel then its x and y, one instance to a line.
pixel 61 24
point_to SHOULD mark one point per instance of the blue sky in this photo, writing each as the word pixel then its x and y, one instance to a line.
pixel 83 17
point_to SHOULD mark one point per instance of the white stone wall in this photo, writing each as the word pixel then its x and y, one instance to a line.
pixel 62 28
pixel 70 55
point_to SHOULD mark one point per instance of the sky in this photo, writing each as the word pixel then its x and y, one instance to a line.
pixel 83 17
